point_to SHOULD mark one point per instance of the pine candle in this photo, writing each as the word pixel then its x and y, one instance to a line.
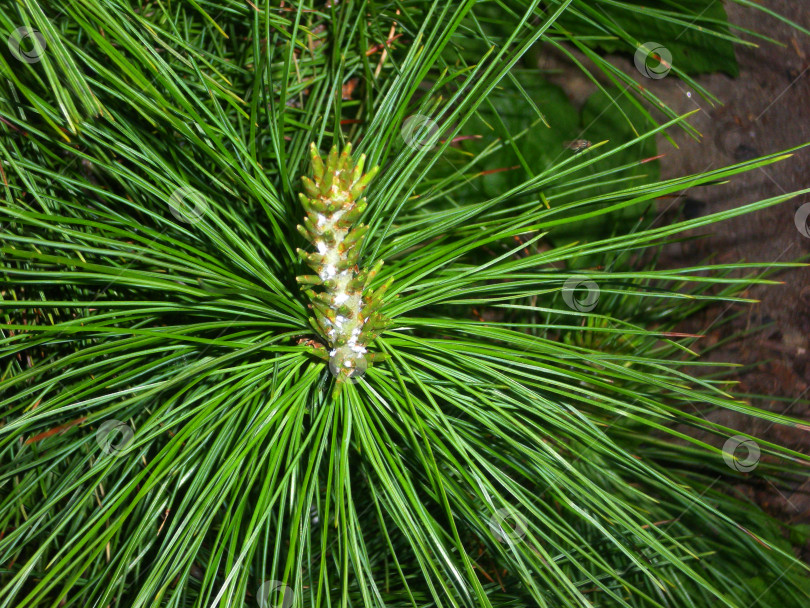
pixel 347 311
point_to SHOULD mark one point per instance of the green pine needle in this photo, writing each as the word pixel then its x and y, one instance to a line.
pixel 527 435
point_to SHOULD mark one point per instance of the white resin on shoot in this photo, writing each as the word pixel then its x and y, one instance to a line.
pixel 344 359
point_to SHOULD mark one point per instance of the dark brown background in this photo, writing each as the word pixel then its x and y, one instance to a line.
pixel 766 109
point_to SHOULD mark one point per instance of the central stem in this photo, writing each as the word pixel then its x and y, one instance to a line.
pixel 346 310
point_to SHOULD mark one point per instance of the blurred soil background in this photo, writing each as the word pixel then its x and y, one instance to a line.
pixel 766 109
